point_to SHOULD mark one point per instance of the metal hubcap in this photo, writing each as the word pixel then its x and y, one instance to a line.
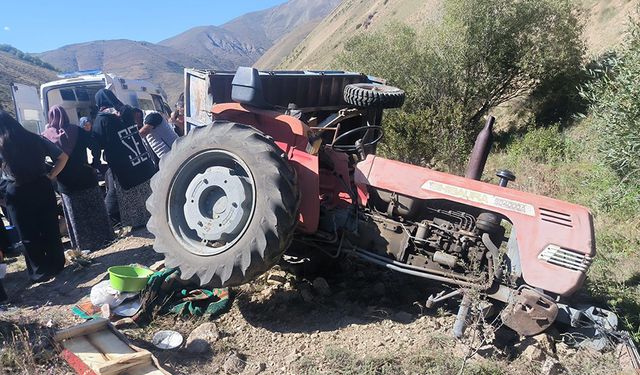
pixel 214 204
pixel 211 202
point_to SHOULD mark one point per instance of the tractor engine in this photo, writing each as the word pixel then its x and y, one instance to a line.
pixel 443 242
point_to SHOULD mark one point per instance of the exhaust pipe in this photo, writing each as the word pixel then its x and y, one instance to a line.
pixel 480 151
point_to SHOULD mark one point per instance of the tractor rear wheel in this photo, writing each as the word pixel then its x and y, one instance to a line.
pixel 224 204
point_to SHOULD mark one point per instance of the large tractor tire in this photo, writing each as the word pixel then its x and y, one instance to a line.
pixel 369 95
pixel 224 204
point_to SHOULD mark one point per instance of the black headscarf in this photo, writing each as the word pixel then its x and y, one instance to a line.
pixel 22 152
pixel 107 99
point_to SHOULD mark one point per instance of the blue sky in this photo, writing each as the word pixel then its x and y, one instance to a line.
pixel 40 25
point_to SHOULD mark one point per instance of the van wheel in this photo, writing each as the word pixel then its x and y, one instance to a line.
pixel 224 205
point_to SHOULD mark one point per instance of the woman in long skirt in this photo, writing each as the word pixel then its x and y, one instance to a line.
pixel 131 202
pixel 31 201
pixel 84 208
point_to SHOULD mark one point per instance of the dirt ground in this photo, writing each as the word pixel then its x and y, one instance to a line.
pixel 356 319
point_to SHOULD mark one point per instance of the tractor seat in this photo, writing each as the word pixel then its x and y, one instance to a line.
pixel 246 88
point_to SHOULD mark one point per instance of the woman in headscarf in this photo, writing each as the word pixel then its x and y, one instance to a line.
pixel 130 164
pixel 84 207
pixel 31 201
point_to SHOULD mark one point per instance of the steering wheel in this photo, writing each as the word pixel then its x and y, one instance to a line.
pixel 354 147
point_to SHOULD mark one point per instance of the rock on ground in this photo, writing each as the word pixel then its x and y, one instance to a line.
pixel 202 338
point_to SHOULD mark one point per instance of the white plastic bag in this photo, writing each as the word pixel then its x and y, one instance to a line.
pixel 103 294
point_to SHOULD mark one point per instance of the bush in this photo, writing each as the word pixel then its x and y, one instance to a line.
pixel 542 145
pixel 482 53
pixel 616 107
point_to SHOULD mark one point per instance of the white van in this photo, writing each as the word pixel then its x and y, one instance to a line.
pixel 75 92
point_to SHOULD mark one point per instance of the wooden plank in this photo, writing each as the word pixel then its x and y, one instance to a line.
pixel 109 344
pixel 84 350
pixel 119 365
pixel 82 329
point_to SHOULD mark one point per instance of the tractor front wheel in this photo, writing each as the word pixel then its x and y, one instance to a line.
pixel 224 204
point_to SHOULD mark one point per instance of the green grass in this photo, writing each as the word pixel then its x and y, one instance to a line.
pixel 337 360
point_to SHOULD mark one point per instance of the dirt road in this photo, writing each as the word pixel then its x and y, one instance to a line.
pixel 352 319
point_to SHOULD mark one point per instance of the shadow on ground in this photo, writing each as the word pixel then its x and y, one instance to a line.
pixel 73 283
pixel 359 294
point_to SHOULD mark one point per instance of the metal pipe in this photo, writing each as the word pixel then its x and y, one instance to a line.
pixel 461 319
pixel 423 274
pixel 480 152
pixel 495 252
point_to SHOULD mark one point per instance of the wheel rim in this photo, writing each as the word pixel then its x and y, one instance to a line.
pixel 211 202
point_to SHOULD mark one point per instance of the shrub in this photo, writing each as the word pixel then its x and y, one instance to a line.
pixel 542 145
pixel 482 53
pixel 615 107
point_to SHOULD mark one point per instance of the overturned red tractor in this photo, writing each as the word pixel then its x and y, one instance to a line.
pixel 278 162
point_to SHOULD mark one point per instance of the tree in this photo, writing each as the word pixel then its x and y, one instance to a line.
pixel 480 54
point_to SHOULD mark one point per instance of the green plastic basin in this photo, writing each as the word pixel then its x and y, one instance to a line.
pixel 128 278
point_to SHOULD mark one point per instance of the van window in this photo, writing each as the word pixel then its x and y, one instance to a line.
pixel 68 94
pixel 158 102
pixel 145 104
pixel 82 95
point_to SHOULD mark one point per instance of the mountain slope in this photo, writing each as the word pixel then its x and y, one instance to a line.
pixel 243 40
pixel 284 46
pixel 135 60
pixel 16 70
pixel 604 20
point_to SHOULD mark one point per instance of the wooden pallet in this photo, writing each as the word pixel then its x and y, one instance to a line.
pixel 97 348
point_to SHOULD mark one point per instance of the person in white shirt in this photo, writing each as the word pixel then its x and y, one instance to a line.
pixel 158 133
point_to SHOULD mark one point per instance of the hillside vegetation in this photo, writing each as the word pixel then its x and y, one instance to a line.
pixel 578 138
pixel 603 19
pixel 14 69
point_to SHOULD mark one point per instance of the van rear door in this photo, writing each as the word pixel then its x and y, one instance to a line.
pixel 197 99
pixel 28 108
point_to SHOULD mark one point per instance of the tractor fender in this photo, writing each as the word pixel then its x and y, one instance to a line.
pixel 290 134
pixel 555 238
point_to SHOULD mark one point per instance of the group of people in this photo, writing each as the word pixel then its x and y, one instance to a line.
pixel 132 145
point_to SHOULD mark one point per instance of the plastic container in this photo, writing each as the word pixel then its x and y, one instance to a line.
pixel 128 278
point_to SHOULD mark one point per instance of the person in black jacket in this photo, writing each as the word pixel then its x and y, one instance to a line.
pixel 31 201
pixel 84 208
pixel 130 163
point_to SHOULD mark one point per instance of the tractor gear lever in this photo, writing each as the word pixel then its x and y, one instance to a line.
pixel 506 176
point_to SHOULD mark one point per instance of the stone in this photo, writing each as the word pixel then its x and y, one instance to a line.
pixel 529 349
pixel 551 367
pixel 321 286
pixel 277 277
pixel 234 364
pixel 545 342
pixel 202 338
pixel 255 368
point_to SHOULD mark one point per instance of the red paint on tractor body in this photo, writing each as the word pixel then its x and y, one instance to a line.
pixel 549 222
pixel 539 221
pixel 290 134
